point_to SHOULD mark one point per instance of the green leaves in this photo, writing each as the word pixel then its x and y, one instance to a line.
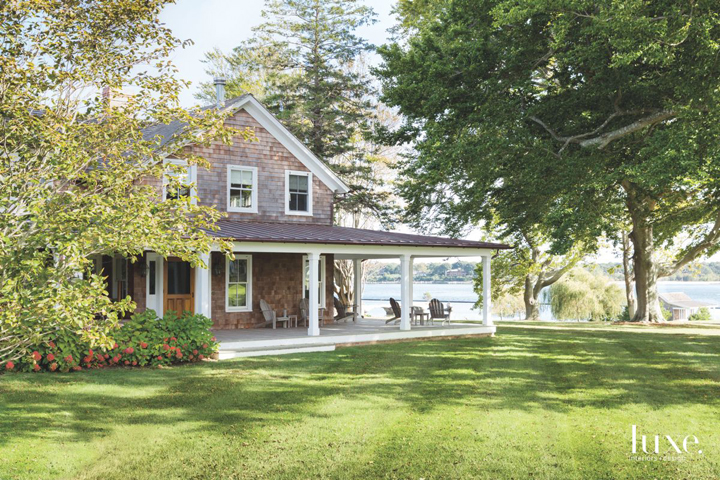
pixel 81 167
pixel 546 113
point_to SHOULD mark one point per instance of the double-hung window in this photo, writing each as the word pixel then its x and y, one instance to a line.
pixel 242 189
pixel 298 193
pixel 184 174
pixel 238 284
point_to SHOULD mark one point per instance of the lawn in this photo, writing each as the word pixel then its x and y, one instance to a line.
pixel 529 403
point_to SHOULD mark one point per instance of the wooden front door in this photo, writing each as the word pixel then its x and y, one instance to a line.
pixel 178 286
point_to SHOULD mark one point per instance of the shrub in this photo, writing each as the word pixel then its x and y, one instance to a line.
pixel 702 315
pixel 144 340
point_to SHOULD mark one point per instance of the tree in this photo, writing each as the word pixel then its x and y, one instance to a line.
pixel 570 115
pixel 582 295
pixel 76 171
pixel 702 315
pixel 307 65
pixel 508 306
pixel 628 276
pixel 525 271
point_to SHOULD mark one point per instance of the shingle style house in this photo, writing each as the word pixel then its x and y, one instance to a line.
pixel 279 202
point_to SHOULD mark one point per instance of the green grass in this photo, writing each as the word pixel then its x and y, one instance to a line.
pixel 529 403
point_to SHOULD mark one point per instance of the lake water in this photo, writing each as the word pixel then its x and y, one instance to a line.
pixel 462 297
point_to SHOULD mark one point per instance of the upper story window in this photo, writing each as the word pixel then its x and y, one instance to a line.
pixel 242 189
pixel 298 193
pixel 186 175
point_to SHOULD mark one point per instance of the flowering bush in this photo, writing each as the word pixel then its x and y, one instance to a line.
pixel 144 340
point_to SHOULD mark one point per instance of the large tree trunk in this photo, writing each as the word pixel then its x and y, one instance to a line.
pixel 532 310
pixel 343 273
pixel 645 264
pixel 627 273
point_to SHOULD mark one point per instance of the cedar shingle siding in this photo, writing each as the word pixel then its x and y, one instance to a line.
pixel 276 278
pixel 272 159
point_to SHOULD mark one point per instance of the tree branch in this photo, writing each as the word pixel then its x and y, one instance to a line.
pixel 601 141
pixel 557 274
pixel 711 239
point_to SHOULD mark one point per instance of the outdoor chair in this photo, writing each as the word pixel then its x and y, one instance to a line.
pixel 345 311
pixel 305 308
pixel 437 311
pixel 341 309
pixel 271 317
pixel 396 311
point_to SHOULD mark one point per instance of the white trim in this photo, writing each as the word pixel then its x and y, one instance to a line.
pixel 487 292
pixel 203 292
pixel 254 197
pixel 313 301
pixel 248 307
pixel 192 178
pixel 357 288
pixel 455 329
pixel 309 176
pixel 268 121
pixel 406 280
pixel 323 285
pixel 289 141
pixel 361 251
pixel 154 301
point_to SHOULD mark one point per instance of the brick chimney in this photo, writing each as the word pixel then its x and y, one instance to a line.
pixel 114 98
pixel 219 92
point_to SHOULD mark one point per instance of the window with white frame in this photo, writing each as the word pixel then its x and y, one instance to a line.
pixel 186 176
pixel 321 279
pixel 298 193
pixel 242 189
pixel 238 284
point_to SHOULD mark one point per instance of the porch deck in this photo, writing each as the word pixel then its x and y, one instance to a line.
pixel 266 341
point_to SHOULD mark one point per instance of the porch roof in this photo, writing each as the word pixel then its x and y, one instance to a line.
pixel 683 300
pixel 330 234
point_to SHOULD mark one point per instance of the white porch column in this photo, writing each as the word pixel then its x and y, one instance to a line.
pixel 487 301
pixel 202 286
pixel 313 306
pixel 357 278
pixel 406 281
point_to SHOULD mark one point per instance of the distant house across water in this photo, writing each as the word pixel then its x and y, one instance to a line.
pixel 455 273
pixel 681 305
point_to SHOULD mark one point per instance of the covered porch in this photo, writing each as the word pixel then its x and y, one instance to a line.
pixel 266 242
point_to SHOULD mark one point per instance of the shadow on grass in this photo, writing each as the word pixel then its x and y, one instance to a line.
pixel 521 369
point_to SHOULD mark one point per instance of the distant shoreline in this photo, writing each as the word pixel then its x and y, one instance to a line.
pixel 423 283
pixel 687 282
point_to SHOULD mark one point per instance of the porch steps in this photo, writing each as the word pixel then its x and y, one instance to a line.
pixel 279 350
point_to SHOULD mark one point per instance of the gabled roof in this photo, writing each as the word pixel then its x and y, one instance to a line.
pixel 682 300
pixel 250 104
pixel 330 234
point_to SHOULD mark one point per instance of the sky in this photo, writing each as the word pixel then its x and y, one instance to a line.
pixel 226 23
